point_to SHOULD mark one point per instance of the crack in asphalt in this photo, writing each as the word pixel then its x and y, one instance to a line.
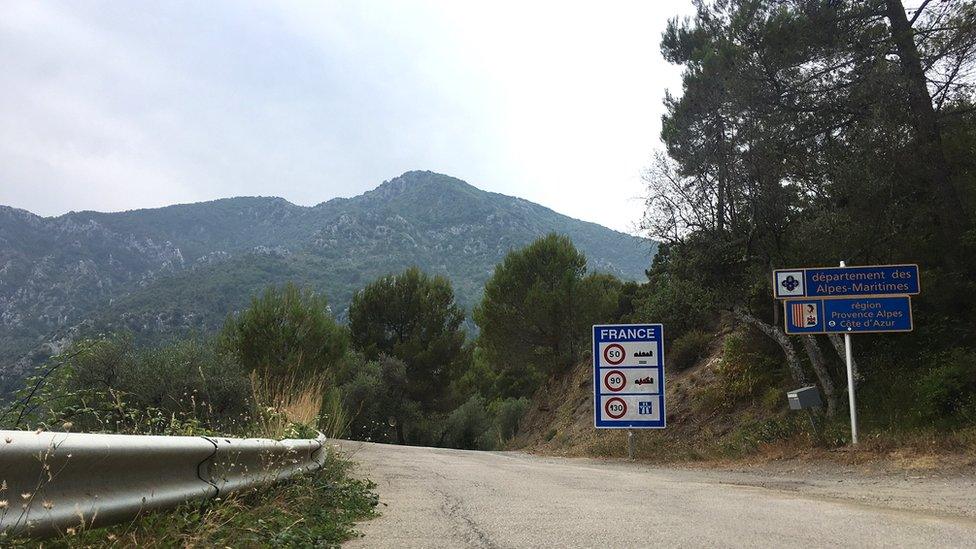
pixel 454 509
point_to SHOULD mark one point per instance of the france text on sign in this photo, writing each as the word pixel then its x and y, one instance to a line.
pixel 628 376
pixel 848 315
pixel 879 280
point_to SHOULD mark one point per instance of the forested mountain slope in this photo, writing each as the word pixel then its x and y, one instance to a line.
pixel 185 267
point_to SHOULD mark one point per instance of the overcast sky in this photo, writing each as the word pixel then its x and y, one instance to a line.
pixel 122 105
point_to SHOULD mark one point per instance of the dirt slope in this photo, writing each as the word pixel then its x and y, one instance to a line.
pixel 759 433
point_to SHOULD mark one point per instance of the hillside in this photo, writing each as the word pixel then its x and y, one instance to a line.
pixel 721 413
pixel 172 270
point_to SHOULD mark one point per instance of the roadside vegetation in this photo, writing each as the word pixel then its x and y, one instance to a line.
pixel 804 133
pixel 316 510
pixel 224 385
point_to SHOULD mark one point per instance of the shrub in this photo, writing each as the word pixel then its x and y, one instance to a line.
pixel 507 414
pixel 744 373
pixel 947 393
pixel 108 385
pixel 466 426
pixel 689 349
pixel 285 332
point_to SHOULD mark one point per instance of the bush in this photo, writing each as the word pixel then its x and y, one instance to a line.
pixel 744 373
pixel 285 332
pixel 947 393
pixel 507 415
pixel 467 426
pixel 689 349
pixel 107 385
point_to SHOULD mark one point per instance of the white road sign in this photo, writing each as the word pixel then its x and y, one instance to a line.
pixel 628 376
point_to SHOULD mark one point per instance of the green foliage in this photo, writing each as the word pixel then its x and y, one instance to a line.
pixel 285 332
pixel 108 385
pixel 315 510
pixel 676 293
pixel 689 349
pixel 753 434
pixel 537 310
pixel 746 373
pixel 467 425
pixel 507 413
pixel 170 271
pixel 947 392
pixel 375 397
pixel 479 378
pixel 781 151
pixel 413 317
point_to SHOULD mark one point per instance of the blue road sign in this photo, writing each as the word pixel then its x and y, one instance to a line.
pixel 874 280
pixel 848 315
pixel 628 376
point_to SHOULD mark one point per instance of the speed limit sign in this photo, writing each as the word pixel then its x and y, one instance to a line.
pixel 614 354
pixel 615 380
pixel 628 376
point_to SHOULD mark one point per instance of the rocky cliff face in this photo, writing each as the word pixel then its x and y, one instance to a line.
pixel 185 267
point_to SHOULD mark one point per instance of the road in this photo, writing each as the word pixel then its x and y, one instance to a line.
pixel 432 497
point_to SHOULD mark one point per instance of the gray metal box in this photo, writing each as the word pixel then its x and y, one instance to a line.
pixel 805 398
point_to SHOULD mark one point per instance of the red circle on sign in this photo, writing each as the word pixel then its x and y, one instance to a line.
pixel 623 407
pixel 606 381
pixel 614 346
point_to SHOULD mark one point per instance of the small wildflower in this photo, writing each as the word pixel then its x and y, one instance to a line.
pixel 110 537
pixel 4 504
pixel 3 486
pixel 25 495
pixel 67 425
pixel 70 531
pixel 48 505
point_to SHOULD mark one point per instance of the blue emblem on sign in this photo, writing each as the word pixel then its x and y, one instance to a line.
pixel 645 407
pixel 790 283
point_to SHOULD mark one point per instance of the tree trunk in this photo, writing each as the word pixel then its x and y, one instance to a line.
pixel 401 440
pixel 777 335
pixel 723 175
pixel 823 375
pixel 838 344
pixel 953 215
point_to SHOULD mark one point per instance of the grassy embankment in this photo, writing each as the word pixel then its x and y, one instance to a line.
pixel 318 509
pixel 729 406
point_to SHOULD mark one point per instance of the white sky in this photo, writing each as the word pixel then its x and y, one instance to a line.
pixel 114 106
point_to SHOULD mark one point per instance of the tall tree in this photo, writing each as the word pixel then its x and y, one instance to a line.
pixel 413 317
pixel 536 312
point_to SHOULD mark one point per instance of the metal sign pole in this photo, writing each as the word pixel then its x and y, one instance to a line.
pixel 630 445
pixel 850 382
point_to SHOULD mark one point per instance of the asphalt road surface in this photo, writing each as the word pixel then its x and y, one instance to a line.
pixel 433 497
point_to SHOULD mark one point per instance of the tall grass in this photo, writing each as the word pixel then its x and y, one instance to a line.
pixel 287 407
pixel 335 420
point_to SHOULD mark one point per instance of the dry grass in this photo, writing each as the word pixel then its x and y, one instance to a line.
pixel 286 402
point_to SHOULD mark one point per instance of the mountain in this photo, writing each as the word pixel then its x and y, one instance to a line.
pixel 172 270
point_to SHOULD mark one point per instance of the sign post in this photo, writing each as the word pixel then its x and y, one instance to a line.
pixel 628 378
pixel 851 400
pixel 869 299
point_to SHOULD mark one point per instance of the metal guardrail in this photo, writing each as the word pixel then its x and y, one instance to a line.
pixel 50 482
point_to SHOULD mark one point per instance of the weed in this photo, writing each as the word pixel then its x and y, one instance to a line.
pixel 315 510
